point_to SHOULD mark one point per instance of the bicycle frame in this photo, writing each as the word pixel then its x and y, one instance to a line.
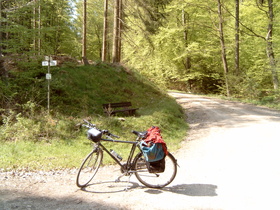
pixel 130 156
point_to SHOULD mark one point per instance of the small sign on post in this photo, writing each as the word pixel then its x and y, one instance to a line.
pixel 48 76
pixel 52 63
pixel 49 62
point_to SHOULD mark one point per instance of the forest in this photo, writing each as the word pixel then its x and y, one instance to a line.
pixel 118 50
pixel 211 47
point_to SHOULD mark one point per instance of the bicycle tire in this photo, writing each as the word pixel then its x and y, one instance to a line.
pixel 89 167
pixel 155 180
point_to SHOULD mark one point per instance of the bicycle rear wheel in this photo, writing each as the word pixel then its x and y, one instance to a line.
pixel 89 167
pixel 155 180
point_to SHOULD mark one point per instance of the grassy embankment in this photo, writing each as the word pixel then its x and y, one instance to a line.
pixel 33 140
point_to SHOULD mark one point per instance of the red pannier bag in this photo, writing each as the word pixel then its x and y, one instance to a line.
pixel 154 150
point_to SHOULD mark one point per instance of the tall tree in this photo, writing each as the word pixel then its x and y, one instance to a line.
pixel 223 46
pixel 120 29
pixel 37 27
pixel 116 32
pixel 237 31
pixel 187 63
pixel 1 37
pixel 269 48
pixel 266 8
pixel 105 31
pixel 84 45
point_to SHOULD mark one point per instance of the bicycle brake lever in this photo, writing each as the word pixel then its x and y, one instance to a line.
pixel 114 136
pixel 109 134
pixel 89 123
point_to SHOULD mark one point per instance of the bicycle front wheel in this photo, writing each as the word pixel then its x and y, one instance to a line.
pixel 89 167
pixel 155 180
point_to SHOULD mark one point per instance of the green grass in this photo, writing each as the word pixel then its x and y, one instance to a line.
pixel 40 156
pixel 33 140
pixel 272 101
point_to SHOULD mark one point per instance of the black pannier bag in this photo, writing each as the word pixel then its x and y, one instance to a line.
pixel 157 166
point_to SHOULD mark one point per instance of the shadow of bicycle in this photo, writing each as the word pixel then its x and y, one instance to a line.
pixel 122 186
pixel 110 187
pixel 188 189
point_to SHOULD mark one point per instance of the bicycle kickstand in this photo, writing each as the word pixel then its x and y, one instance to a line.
pixel 128 181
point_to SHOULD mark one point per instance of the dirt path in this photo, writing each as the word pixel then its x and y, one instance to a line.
pixel 230 160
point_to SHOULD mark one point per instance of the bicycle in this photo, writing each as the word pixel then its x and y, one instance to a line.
pixel 134 165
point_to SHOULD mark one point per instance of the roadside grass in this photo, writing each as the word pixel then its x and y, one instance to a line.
pixel 26 155
pixel 69 153
pixel 270 101
pixel 33 140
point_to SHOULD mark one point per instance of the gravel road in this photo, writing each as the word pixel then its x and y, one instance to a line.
pixel 229 160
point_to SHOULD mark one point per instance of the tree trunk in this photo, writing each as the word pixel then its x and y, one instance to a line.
pixel 84 50
pixel 105 31
pixel 223 47
pixel 187 62
pixel 116 32
pixel 269 48
pixel 34 26
pixel 237 37
pixel 39 28
pixel 120 30
pixel 1 37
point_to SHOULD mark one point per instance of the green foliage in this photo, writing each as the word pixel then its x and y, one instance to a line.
pixel 172 51
pixel 149 13
pixel 30 28
pixel 179 52
pixel 186 54
pixel 34 125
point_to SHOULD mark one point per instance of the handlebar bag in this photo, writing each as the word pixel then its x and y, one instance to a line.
pixel 94 135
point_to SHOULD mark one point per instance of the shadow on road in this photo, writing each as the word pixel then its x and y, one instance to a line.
pixel 183 189
pixel 188 189
pixel 14 199
pixel 110 187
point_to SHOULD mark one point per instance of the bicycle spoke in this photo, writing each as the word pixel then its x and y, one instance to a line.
pixel 155 180
pixel 89 168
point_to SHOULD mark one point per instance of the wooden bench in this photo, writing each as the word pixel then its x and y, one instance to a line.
pixel 113 108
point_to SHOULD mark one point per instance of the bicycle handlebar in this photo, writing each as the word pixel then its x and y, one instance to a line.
pixel 106 132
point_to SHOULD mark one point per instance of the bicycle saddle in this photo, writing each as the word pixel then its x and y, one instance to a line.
pixel 139 133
